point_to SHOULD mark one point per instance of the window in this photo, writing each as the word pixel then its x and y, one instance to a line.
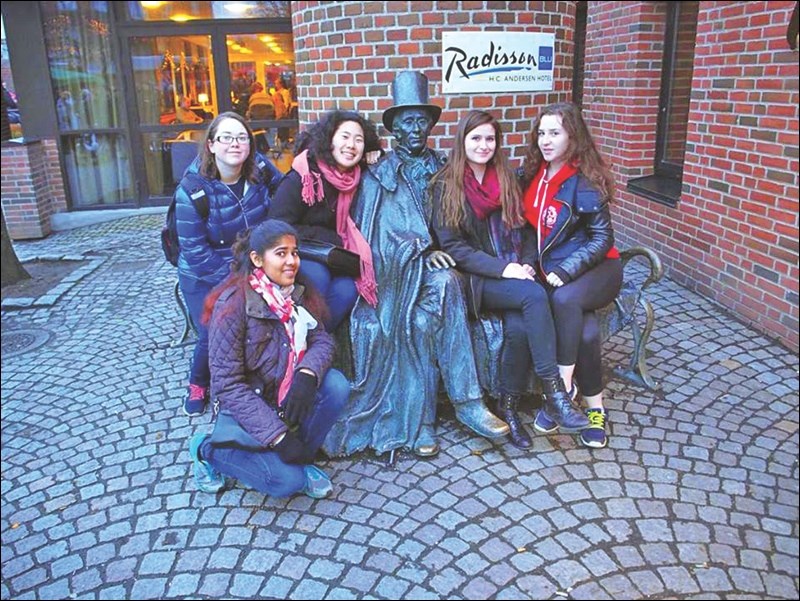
pixel 673 115
pixel 88 103
pixel 580 53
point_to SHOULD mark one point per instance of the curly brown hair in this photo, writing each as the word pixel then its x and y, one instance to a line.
pixel 581 150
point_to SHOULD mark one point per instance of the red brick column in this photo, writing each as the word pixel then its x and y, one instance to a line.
pixel 32 187
pixel 347 55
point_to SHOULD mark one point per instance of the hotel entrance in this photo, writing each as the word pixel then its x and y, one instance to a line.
pixel 133 86
pixel 181 82
pixel 186 73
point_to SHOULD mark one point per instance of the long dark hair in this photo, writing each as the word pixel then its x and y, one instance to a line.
pixel 317 139
pixel 581 150
pixel 260 238
pixel 208 165
pixel 451 176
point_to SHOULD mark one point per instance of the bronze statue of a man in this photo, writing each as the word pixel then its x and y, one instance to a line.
pixel 418 334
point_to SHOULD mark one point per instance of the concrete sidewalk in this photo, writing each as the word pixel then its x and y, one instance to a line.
pixel 695 497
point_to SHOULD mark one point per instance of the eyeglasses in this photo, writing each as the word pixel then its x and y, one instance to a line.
pixel 228 139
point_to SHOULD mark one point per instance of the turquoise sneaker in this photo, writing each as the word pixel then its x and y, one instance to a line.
pixel 318 485
pixel 206 478
pixel 595 435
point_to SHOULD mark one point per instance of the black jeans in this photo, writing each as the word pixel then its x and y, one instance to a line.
pixel 528 330
pixel 577 327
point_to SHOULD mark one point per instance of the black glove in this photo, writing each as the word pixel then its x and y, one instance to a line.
pixel 300 399
pixel 293 450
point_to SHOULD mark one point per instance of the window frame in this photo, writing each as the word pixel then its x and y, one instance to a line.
pixel 666 183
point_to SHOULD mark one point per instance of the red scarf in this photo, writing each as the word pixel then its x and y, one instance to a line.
pixel 483 197
pixel 352 239
pixel 284 308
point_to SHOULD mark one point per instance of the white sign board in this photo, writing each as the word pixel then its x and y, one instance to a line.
pixel 497 61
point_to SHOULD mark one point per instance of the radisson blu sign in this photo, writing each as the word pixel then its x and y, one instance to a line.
pixel 497 61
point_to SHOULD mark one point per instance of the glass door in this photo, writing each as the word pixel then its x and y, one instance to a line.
pixel 173 79
pixel 263 90
pixel 179 87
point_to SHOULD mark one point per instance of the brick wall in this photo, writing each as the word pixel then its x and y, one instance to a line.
pixel 348 53
pixel 733 235
pixel 32 188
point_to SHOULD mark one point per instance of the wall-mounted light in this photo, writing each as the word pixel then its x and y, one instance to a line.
pixel 202 99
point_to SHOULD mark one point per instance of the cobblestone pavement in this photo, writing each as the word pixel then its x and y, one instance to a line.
pixel 696 496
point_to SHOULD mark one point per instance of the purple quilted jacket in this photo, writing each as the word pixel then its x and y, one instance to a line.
pixel 248 353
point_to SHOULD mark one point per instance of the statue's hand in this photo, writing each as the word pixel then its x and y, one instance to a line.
pixel 373 156
pixel 438 259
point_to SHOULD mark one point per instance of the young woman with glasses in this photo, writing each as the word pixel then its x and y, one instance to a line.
pixel 224 191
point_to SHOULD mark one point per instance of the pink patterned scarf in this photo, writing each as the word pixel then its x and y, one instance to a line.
pixel 294 321
pixel 352 239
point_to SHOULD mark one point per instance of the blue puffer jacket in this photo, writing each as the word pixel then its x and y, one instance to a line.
pixel 206 243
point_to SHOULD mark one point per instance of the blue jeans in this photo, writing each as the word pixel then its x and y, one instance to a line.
pixel 194 293
pixel 264 470
pixel 339 291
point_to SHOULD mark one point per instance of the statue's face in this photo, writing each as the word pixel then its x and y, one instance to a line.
pixel 411 128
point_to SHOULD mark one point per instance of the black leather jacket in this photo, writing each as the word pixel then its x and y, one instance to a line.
pixel 582 234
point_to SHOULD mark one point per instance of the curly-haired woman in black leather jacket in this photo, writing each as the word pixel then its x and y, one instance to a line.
pixel 568 188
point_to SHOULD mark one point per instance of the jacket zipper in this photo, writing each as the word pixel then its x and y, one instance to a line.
pixel 553 238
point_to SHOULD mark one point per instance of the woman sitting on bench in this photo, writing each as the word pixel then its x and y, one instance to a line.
pixel 568 188
pixel 478 220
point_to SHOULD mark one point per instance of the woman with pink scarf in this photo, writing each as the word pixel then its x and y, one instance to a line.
pixel 316 197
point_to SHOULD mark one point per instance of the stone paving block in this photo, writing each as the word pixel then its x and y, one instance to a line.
pixel 746 580
pixel 149 588
pixel 120 570
pixel 183 585
pixel 309 589
pixel 100 554
pixel 276 587
pixel 678 579
pixel 56 590
pixel 214 584
pixel 85 581
pixel 390 587
pixel 446 581
pixel 360 579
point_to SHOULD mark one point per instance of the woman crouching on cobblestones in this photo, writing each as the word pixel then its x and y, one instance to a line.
pixel 273 392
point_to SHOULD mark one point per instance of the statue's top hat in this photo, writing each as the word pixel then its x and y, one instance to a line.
pixel 410 90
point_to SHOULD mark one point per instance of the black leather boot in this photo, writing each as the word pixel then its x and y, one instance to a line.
pixel 558 407
pixel 507 410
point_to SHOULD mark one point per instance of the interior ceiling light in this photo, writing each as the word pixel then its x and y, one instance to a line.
pixel 181 17
pixel 266 38
pixel 155 4
pixel 238 8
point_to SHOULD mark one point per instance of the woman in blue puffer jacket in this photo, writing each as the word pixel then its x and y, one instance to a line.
pixel 224 191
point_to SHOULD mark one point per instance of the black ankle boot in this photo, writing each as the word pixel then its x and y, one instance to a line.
pixel 558 407
pixel 507 411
